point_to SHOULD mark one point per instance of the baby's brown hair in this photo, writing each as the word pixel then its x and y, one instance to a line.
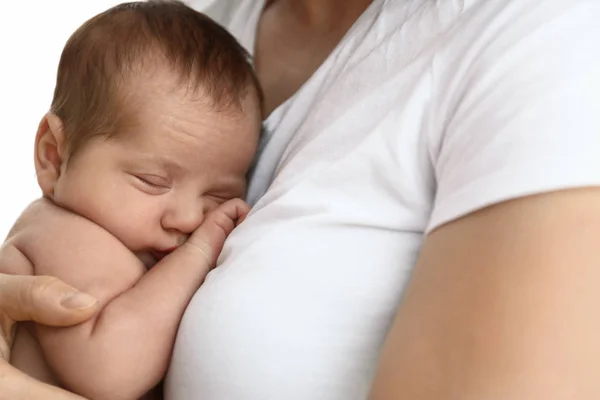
pixel 108 50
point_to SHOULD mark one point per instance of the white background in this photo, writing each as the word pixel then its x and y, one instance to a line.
pixel 32 35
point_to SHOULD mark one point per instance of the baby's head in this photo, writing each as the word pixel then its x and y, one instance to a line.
pixel 154 123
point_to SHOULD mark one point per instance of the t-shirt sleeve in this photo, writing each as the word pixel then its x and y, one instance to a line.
pixel 526 115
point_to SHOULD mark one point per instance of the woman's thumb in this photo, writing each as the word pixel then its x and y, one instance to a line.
pixel 45 300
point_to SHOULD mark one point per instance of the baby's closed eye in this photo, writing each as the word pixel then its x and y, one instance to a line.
pixel 152 184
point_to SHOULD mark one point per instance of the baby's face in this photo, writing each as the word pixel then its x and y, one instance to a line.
pixel 153 185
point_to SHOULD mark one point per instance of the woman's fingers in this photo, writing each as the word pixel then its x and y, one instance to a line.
pixel 15 385
pixel 43 299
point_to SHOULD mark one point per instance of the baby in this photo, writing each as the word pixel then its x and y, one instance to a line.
pixel 142 160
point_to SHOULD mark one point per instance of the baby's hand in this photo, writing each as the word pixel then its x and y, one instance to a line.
pixel 208 239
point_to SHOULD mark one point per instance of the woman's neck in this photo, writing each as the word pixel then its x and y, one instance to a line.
pixel 294 38
pixel 331 13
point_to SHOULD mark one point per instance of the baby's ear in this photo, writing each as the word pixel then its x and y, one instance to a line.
pixel 49 152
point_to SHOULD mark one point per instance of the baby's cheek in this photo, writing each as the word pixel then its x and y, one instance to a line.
pixel 135 227
pixel 212 203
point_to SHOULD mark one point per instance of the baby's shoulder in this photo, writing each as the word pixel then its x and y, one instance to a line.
pixel 50 236
pixel 43 219
pixel 38 215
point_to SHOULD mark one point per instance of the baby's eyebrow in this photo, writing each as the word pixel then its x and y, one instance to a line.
pixel 164 163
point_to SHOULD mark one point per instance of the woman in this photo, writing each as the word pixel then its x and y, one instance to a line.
pixel 454 143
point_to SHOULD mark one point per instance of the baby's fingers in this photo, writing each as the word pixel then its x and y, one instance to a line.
pixel 211 235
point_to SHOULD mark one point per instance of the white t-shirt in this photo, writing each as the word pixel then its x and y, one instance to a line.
pixel 426 111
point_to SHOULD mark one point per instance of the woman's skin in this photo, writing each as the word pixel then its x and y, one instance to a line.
pixel 294 38
pixel 47 301
pixel 502 301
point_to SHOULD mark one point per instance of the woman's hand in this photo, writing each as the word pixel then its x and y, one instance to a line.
pixel 44 300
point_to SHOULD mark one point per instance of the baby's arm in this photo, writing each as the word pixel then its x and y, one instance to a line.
pixel 125 350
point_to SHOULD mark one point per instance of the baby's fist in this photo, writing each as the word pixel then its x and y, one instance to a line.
pixel 208 239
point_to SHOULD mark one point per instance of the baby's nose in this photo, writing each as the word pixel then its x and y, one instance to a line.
pixel 183 218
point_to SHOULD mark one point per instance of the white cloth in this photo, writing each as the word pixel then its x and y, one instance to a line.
pixel 426 111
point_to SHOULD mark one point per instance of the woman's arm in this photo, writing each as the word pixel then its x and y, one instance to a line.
pixel 503 304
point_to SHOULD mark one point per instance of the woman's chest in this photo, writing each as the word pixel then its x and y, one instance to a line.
pixel 307 286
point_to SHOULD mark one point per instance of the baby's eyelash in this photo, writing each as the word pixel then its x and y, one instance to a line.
pixel 152 181
pixel 146 182
pixel 220 198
